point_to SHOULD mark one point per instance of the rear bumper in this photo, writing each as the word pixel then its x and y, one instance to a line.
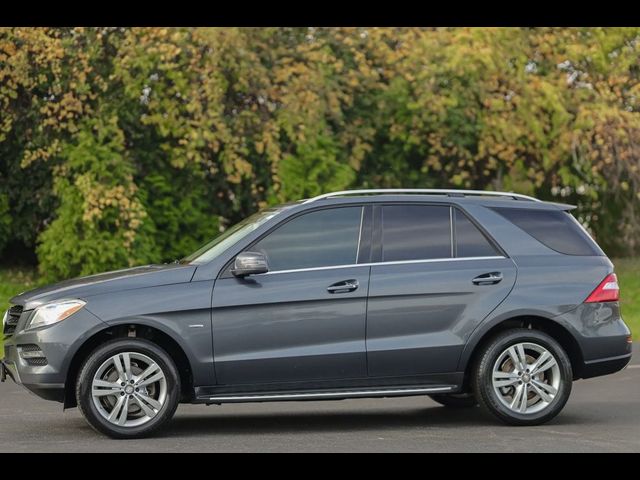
pixel 596 368
pixel 602 338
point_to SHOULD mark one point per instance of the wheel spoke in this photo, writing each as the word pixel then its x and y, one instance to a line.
pixel 504 379
pixel 541 359
pixel 505 383
pixel 124 412
pixel 541 393
pixel 158 376
pixel 104 392
pixel 105 384
pixel 149 412
pixel 522 356
pixel 113 416
pixel 515 402
pixel 117 361
pixel 151 401
pixel 524 399
pixel 544 365
pixel 551 390
pixel 514 358
pixel 150 370
pixel 126 360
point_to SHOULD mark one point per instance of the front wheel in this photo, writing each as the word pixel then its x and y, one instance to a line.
pixel 523 377
pixel 128 388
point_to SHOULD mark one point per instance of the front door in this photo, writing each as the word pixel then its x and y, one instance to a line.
pixel 435 278
pixel 304 320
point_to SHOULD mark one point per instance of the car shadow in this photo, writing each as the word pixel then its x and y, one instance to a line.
pixel 338 421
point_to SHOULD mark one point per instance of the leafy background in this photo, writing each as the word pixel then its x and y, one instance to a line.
pixel 124 146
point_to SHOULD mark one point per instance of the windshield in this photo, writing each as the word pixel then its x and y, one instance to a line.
pixel 230 236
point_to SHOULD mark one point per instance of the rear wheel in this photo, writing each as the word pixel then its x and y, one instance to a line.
pixel 455 400
pixel 128 388
pixel 523 377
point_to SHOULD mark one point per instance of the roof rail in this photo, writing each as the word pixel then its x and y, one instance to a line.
pixel 423 191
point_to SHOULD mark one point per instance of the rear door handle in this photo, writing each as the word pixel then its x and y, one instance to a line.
pixel 344 286
pixel 488 278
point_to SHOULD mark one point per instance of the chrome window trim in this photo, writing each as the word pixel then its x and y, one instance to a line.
pixel 373 264
pixel 451 239
pixel 360 232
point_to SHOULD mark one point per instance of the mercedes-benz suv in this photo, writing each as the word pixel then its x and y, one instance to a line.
pixel 468 297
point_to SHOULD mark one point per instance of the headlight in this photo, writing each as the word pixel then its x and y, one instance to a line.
pixel 55 312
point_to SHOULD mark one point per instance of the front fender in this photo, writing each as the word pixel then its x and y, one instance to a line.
pixel 181 311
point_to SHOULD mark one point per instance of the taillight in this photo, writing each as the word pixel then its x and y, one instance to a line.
pixel 607 291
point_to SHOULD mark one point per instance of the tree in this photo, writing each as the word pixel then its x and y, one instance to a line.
pixel 121 146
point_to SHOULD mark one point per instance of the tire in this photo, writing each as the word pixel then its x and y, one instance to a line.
pixel 455 400
pixel 502 400
pixel 149 406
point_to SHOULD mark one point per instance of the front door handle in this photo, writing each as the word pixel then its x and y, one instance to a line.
pixel 343 287
pixel 488 278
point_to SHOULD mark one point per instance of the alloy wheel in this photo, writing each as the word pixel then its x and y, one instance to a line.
pixel 129 389
pixel 526 378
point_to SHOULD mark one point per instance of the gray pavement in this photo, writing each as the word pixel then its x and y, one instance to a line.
pixel 602 415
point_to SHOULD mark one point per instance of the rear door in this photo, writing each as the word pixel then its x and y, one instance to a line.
pixel 435 275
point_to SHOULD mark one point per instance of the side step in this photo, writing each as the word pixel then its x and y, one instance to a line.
pixel 326 395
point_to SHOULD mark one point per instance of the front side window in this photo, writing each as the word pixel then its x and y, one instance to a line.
pixel 322 238
pixel 415 232
pixel 231 236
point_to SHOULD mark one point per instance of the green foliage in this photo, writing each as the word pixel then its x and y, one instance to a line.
pixel 121 146
pixel 181 210
pixel 627 270
pixel 100 223
pixel 5 219
pixel 312 170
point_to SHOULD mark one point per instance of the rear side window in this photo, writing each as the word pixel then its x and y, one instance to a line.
pixel 317 239
pixel 415 232
pixel 556 229
pixel 470 242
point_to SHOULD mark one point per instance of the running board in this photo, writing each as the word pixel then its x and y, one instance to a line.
pixel 327 395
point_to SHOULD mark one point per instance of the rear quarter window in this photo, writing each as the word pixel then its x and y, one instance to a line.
pixel 556 229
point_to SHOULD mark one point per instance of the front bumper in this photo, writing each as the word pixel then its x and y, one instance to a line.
pixel 48 391
pixel 58 343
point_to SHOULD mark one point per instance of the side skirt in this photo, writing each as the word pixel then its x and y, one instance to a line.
pixel 335 394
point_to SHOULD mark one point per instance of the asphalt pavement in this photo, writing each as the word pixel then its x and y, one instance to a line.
pixel 602 415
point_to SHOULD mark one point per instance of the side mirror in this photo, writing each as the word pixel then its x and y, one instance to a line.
pixel 249 263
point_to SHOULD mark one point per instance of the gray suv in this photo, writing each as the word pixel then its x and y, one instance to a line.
pixel 466 296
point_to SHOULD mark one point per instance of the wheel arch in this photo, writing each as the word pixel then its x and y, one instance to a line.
pixel 557 330
pixel 135 330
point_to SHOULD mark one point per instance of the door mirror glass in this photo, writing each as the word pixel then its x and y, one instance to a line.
pixel 250 263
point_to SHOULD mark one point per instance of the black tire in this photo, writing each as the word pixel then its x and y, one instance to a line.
pixel 482 377
pixel 101 355
pixel 455 400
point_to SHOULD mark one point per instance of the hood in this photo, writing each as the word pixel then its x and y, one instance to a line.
pixel 127 279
